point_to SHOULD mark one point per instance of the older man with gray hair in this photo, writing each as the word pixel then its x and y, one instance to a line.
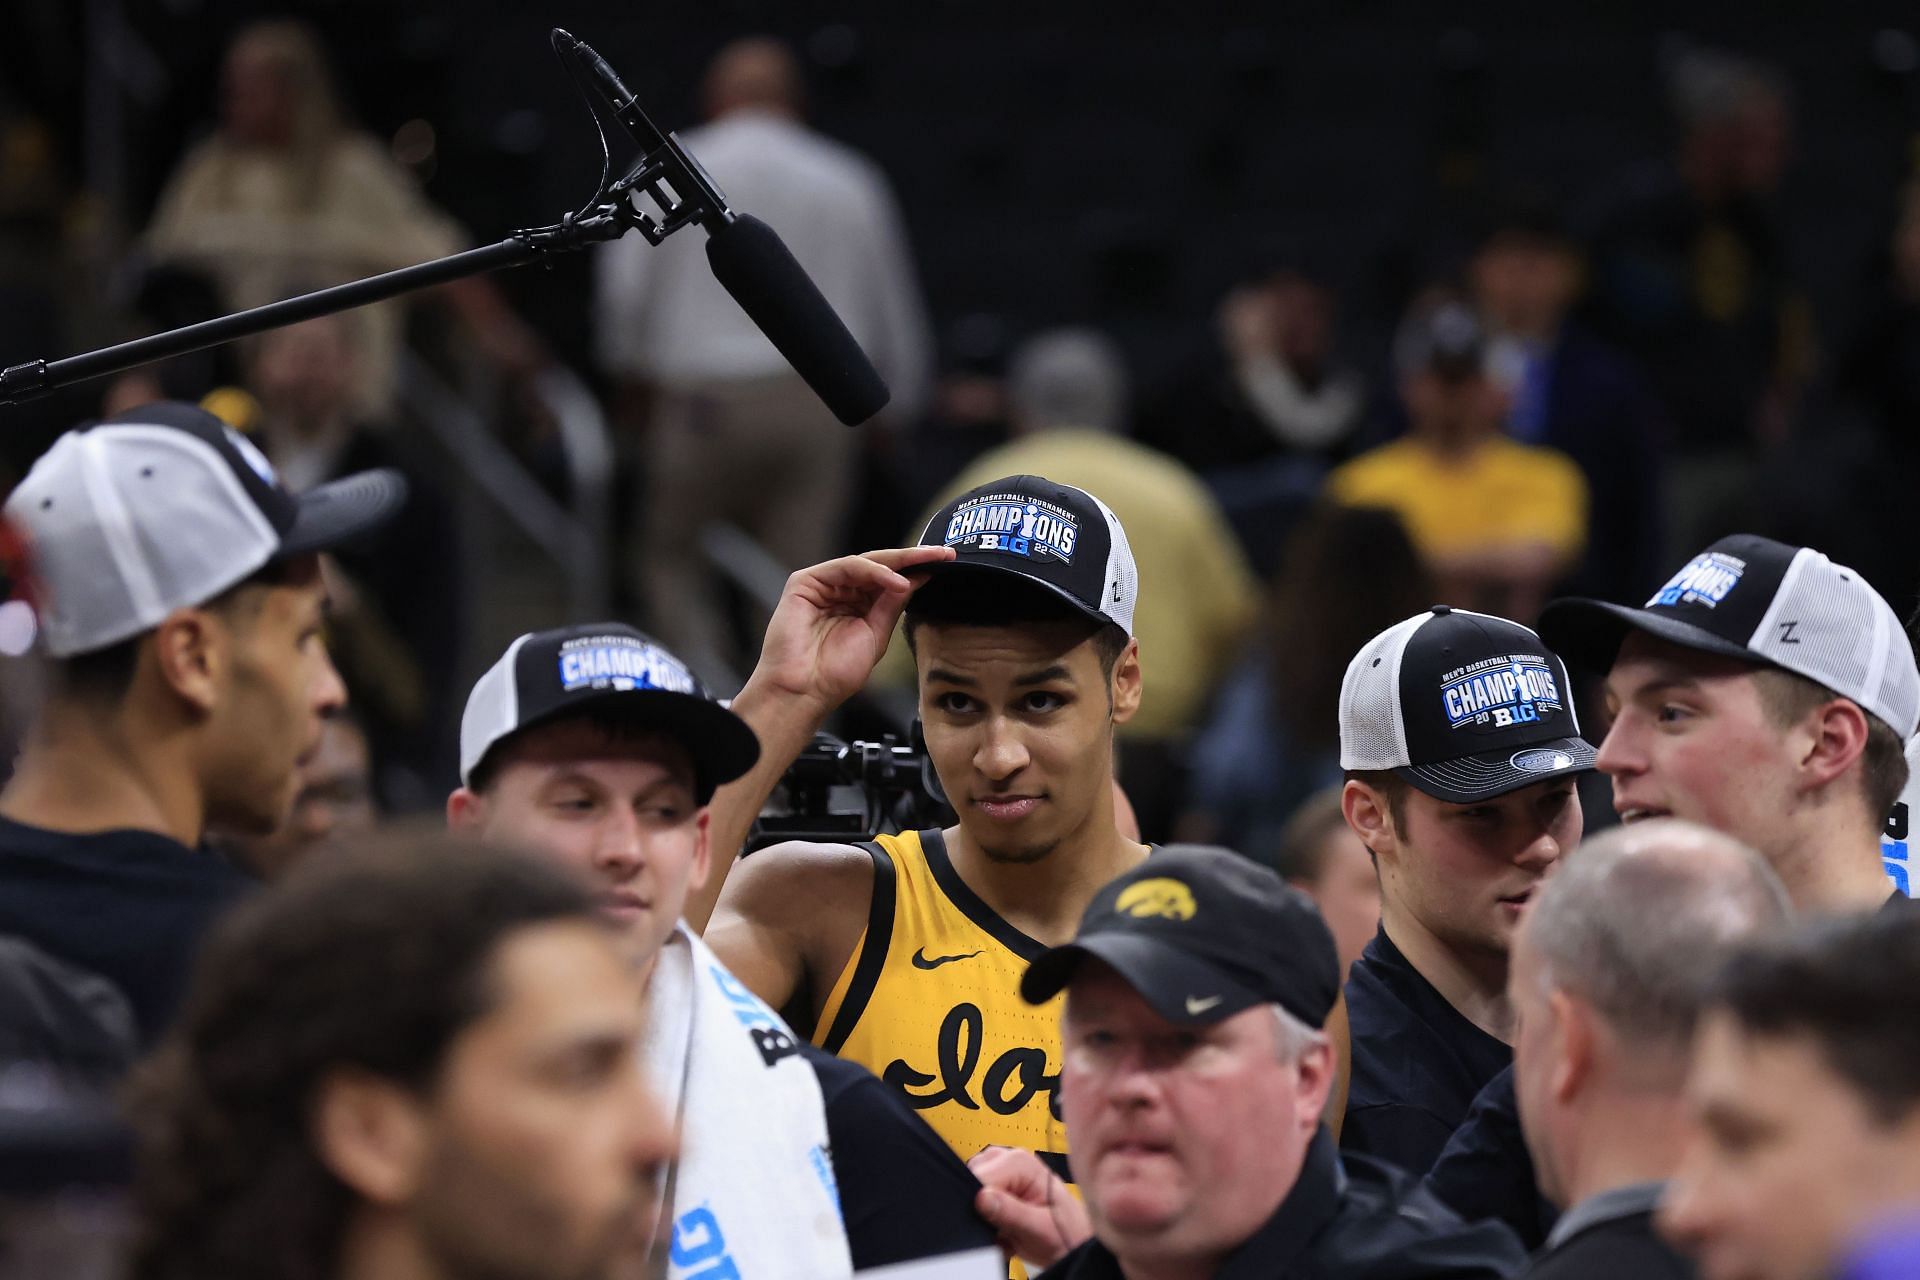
pixel 1611 968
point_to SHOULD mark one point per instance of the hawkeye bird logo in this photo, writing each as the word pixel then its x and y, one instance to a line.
pixel 1157 897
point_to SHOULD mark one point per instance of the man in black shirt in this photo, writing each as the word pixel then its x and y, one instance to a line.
pixel 1610 969
pixel 183 610
pixel 1192 1084
pixel 1458 735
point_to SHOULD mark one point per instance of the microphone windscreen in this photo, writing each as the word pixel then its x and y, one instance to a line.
pixel 754 265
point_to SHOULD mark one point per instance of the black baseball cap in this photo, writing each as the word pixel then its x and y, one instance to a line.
pixel 547 675
pixel 1764 602
pixel 1445 338
pixel 1464 706
pixel 1060 538
pixel 1201 933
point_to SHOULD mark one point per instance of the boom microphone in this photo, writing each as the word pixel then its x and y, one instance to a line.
pixel 754 265
pixel 747 257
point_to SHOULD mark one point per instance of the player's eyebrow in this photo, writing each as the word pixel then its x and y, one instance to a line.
pixel 944 676
pixel 1046 675
pixel 1662 681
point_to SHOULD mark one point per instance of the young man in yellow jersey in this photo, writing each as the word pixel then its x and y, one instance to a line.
pixel 906 954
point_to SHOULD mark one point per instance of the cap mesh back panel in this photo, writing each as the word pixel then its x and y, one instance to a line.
pixel 1371 733
pixel 1900 686
pixel 1827 624
pixel 1123 577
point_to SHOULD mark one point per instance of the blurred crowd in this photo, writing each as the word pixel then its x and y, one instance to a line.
pixel 1577 392
pixel 1576 388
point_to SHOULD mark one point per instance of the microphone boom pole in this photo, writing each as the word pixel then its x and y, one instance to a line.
pixel 37 377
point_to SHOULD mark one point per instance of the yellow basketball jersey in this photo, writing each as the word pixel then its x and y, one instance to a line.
pixel 930 1003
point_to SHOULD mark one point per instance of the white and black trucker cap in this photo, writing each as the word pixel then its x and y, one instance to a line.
pixel 1762 601
pixel 545 675
pixel 1054 535
pixel 1464 706
pixel 163 507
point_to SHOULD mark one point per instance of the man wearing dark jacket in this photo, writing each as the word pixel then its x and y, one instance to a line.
pixel 1610 970
pixel 1192 1084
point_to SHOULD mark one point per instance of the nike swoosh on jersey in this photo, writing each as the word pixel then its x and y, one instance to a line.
pixel 921 960
pixel 1196 1007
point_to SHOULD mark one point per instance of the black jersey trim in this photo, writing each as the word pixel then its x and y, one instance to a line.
pixel 873 949
pixel 969 903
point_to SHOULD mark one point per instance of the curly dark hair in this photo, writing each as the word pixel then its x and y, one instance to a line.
pixel 375 959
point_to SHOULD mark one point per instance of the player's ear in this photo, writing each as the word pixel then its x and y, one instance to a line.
pixel 1371 817
pixel 1125 687
pixel 466 811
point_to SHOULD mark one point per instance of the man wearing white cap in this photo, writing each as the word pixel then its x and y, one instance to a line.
pixel 1766 692
pixel 183 612
pixel 598 748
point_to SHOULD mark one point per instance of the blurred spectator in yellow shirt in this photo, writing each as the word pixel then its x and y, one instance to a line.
pixel 1498 522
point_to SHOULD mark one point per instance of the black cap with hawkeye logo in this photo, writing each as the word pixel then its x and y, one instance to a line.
pixel 547 675
pixel 1201 933
pixel 1058 537
pixel 1464 706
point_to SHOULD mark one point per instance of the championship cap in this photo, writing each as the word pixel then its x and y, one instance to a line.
pixel 1054 535
pixel 1762 601
pixel 1201 933
pixel 1464 706
pixel 163 507
pixel 546 675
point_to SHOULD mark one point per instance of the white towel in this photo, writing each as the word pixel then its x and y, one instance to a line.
pixel 754 1196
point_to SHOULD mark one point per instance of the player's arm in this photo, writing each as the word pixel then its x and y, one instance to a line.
pixel 832 624
pixel 790 918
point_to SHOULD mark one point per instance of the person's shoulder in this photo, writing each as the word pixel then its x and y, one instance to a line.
pixel 1382 463
pixel 840 1079
pixel 803 887
pixel 1389 1225
pixel 814 156
pixel 1539 463
pixel 127 852
pixel 360 157
pixel 819 863
pixel 1622 1247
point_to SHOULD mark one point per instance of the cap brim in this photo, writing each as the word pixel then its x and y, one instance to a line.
pixel 1588 633
pixel 1179 986
pixel 339 510
pixel 1469 779
pixel 951 569
pixel 721 745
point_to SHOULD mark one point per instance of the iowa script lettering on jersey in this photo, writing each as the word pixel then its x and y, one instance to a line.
pixel 1008 1084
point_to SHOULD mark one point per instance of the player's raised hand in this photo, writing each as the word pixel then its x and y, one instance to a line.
pixel 834 620
pixel 1039 1221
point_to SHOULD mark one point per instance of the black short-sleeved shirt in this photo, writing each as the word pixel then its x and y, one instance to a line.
pixel 1357 1220
pixel 1486 1170
pixel 131 906
pixel 903 1192
pixel 1417 1061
